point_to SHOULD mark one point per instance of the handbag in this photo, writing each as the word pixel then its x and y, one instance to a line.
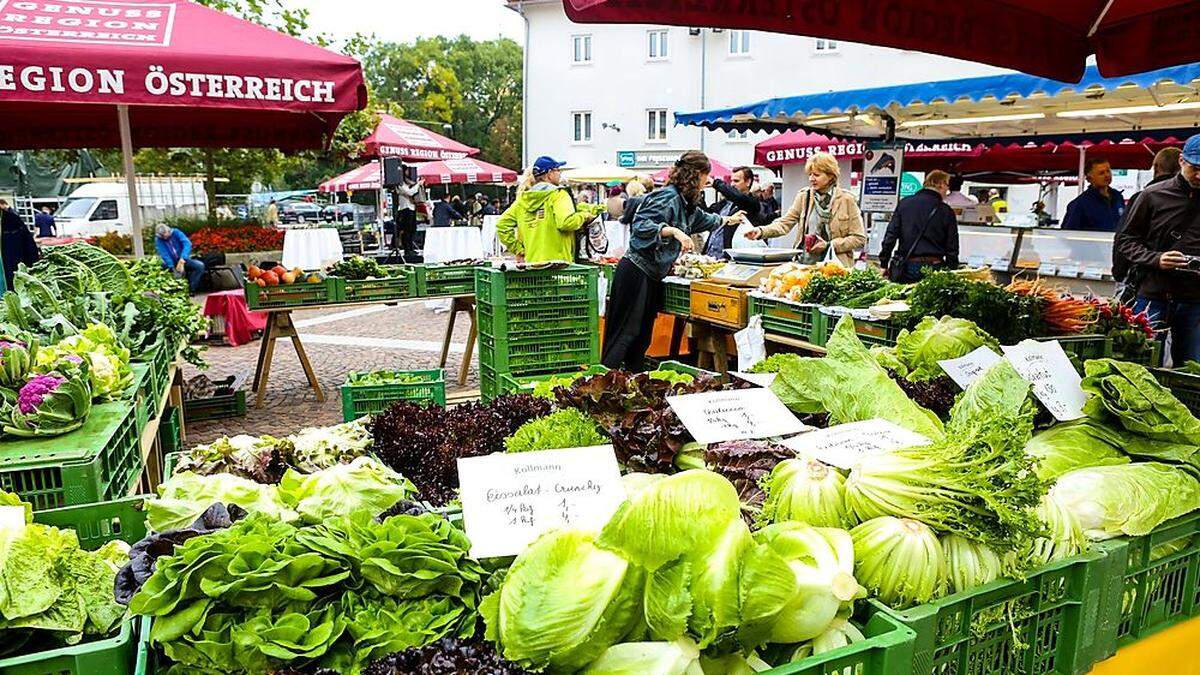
pixel 896 266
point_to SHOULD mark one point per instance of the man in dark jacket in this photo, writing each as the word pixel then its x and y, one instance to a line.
pixel 735 196
pixel 1162 236
pixel 768 203
pixel 445 213
pixel 16 242
pixel 1166 165
pixel 922 234
pixel 1098 208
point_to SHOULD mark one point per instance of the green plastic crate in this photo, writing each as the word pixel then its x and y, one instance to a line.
pixel 400 284
pixel 169 432
pixel 169 462
pixel 1158 582
pixel 527 289
pixel 1185 386
pixel 441 280
pixel 677 299
pixel 888 650
pixel 1046 624
pixel 801 321
pixel 299 294
pixel 96 525
pixel 368 399
pixel 1083 347
pixel 872 332
pixel 146 662
pixel 524 384
pixel 215 407
pixel 530 323
pixel 99 461
pixel 552 352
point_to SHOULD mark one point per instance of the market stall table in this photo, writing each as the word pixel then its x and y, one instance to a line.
pixel 240 322
pixel 311 249
pixel 443 244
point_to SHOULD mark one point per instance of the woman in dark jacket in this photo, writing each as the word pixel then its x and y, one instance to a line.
pixel 16 243
pixel 661 230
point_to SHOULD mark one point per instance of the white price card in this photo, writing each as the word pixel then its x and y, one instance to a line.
pixel 760 379
pixel 509 500
pixel 1055 381
pixel 844 444
pixel 717 416
pixel 966 369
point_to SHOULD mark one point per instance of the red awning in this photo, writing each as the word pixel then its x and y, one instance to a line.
pixel 395 137
pixel 1051 39
pixel 366 177
pixel 191 76
pixel 719 170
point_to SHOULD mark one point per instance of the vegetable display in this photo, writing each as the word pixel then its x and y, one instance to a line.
pixel 49 404
pixel 562 429
pixel 697 266
pixel 358 267
pixel 265 458
pixel 384 377
pixel 1131 499
pixel 918 351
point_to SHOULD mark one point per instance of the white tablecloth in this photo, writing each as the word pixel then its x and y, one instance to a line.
pixel 491 242
pixel 452 243
pixel 311 249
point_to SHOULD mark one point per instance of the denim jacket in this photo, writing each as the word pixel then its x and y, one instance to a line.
pixel 664 207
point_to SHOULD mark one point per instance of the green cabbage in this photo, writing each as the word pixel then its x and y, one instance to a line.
pixel 1075 445
pixel 184 496
pixel 563 603
pixel 808 491
pixel 364 483
pixel 969 563
pixel 822 562
pixel 900 560
pixel 1127 394
pixel 1063 537
pixel 1131 499
pixel 933 340
pixel 108 361
pixel 681 657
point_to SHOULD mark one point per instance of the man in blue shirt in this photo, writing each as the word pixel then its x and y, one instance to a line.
pixel 1098 208
pixel 44 222
pixel 175 249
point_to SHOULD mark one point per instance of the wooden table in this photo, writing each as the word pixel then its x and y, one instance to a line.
pixel 280 325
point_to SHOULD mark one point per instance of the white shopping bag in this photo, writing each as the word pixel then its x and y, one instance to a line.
pixel 751 344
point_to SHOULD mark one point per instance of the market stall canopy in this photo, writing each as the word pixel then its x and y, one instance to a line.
pixel 598 173
pixel 797 146
pixel 719 170
pixel 394 137
pixel 994 107
pixel 191 76
pixel 366 177
pixel 1051 39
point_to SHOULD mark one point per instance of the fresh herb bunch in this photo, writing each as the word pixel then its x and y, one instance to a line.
pixel 358 267
pixel 1007 316
pixel 161 309
pixel 842 289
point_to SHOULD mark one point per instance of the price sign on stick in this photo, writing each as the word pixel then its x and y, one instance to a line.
pixel 842 445
pixel 1055 382
pixel 966 369
pixel 509 500
pixel 717 416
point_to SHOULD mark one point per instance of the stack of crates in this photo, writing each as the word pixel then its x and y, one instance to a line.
pixel 535 322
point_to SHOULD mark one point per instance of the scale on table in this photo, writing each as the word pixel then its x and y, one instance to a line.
pixel 751 265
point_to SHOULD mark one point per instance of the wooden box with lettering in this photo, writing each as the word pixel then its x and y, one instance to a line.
pixel 721 304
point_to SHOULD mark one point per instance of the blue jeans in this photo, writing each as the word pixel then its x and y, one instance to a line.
pixel 194 271
pixel 1182 319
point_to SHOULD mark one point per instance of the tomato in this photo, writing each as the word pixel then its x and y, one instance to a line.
pixel 270 278
pixel 254 273
pixel 279 270
pixel 261 282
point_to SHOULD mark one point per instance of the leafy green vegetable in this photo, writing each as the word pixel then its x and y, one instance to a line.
pixel 681 657
pixel 108 361
pixel 1131 499
pixel 364 483
pixel 563 603
pixel 807 491
pixel 1009 317
pixel 900 560
pixel 671 376
pixel 1073 445
pixel 566 428
pixel 358 267
pixel 378 377
pixel 1063 539
pixel 841 633
pixel 184 496
pixel 969 563
pixel 1128 396
pixel 933 340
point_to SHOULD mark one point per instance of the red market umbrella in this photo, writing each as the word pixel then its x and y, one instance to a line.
pixel 394 137
pixel 366 177
pixel 719 170
pixel 1049 39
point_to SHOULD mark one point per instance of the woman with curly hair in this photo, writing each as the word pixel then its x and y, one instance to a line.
pixel 660 231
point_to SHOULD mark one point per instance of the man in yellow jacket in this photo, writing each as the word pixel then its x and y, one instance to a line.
pixel 540 225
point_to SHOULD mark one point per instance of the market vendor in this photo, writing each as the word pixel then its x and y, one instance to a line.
pixel 1098 208
pixel 661 230
pixel 827 214
pixel 541 224
pixel 175 250
pixel 735 196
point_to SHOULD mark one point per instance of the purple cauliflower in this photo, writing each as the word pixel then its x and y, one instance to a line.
pixel 35 391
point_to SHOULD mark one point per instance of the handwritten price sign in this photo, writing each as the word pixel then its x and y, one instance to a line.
pixel 1055 382
pixel 509 500
pixel 718 416
pixel 844 444
pixel 966 369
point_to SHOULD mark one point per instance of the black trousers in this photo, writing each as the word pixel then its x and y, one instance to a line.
pixel 633 306
pixel 408 230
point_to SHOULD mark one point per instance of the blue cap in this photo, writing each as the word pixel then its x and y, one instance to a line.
pixel 1191 150
pixel 543 164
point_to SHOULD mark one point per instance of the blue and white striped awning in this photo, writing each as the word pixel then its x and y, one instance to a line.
pixel 1013 105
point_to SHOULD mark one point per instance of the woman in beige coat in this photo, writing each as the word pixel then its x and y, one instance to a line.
pixel 827 215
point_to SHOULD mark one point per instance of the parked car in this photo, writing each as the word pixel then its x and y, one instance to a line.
pixel 342 213
pixel 299 212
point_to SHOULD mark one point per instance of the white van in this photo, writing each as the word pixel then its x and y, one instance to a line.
pixel 96 208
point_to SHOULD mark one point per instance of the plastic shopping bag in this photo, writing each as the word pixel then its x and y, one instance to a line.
pixel 751 344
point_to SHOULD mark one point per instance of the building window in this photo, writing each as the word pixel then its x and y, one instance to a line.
pixel 583 126
pixel 826 46
pixel 736 135
pixel 581 48
pixel 739 43
pixel 657 44
pixel 656 125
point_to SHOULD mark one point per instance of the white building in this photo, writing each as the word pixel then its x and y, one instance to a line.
pixel 607 93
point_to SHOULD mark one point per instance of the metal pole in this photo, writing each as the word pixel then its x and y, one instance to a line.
pixel 1082 163
pixel 135 212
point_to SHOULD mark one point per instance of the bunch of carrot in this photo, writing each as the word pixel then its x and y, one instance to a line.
pixel 1062 313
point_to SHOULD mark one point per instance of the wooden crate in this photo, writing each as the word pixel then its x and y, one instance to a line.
pixel 720 304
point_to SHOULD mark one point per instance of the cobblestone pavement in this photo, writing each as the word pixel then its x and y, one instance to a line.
pixel 404 336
